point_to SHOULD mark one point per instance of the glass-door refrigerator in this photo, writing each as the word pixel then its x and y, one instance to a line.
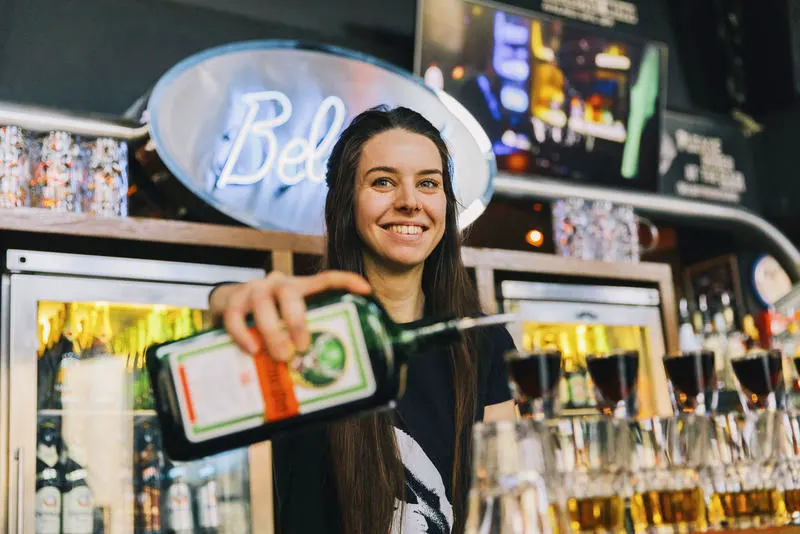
pixel 84 449
pixel 581 319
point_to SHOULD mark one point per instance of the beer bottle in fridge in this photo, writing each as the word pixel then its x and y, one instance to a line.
pixel 178 501
pixel 69 354
pixel 47 364
pixel 148 464
pixel 207 501
pixel 77 503
pixel 102 332
pixel 48 479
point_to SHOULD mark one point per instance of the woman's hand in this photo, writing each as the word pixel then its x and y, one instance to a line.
pixel 277 303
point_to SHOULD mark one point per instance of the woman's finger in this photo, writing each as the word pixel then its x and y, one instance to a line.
pixel 292 308
pixel 308 285
pixel 265 314
pixel 233 317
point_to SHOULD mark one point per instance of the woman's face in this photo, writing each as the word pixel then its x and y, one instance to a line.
pixel 399 198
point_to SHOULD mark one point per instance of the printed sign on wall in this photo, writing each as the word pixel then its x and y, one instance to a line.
pixel 706 159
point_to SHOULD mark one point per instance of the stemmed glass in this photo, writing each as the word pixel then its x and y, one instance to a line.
pixel 760 373
pixel 692 377
pixel 535 375
pixel 615 371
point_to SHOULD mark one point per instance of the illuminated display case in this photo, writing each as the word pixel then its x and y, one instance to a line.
pixel 580 320
pixel 84 447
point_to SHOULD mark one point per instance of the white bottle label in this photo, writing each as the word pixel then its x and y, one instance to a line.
pixel 577 386
pixel 208 506
pixel 48 510
pixel 48 454
pixel 78 511
pixel 222 390
pixel 179 505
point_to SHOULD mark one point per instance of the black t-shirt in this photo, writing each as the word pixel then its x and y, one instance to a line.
pixel 424 428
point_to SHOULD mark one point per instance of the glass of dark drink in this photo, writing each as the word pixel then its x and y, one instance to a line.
pixel 535 375
pixel 615 376
pixel 693 380
pixel 760 373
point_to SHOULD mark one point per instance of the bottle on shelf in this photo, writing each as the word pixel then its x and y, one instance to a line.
pixel 751 334
pixel 699 317
pixel 148 465
pixel 178 499
pixel 707 328
pixel 567 355
pixel 207 500
pixel 728 312
pixel 211 397
pixel 687 334
pixel 70 353
pixel 576 388
pixel 77 502
pixel 48 478
pixel 723 341
pixel 49 358
pixel 102 333
pixel 142 396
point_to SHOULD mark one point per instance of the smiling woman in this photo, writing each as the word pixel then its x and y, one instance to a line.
pixel 391 217
pixel 400 201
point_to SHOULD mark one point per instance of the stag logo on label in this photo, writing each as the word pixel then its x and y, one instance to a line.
pixel 323 364
pixel 248 128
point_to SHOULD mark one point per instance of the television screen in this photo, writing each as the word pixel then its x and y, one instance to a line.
pixel 559 99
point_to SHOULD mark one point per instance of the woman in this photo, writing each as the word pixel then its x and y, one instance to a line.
pixel 390 213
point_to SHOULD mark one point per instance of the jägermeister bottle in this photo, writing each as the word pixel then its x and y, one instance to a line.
pixel 211 397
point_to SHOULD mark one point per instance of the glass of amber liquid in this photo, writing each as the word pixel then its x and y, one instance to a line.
pixel 740 474
pixel 789 464
pixel 510 492
pixel 667 491
pixel 591 464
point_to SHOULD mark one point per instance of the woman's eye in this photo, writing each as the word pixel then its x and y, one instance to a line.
pixel 429 184
pixel 382 182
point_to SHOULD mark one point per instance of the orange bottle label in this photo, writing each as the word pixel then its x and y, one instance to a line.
pixel 277 388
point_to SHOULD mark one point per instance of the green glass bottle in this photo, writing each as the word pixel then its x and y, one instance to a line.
pixel 211 397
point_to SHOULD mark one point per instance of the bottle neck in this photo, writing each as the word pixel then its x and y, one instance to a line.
pixel 410 337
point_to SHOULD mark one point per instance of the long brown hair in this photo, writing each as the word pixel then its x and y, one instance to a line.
pixel 367 468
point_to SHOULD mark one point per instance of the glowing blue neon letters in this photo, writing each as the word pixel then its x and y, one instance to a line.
pixel 299 155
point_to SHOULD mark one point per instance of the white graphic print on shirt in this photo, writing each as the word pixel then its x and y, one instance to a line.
pixel 427 509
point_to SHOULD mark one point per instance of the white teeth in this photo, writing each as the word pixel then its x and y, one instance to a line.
pixel 403 229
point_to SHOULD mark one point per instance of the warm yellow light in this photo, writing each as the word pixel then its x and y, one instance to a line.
pixel 535 238
pixel 458 72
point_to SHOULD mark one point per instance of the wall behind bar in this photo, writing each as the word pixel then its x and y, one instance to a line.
pixel 101 55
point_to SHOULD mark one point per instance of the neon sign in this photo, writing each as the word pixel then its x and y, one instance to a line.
pixel 297 160
pixel 254 145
